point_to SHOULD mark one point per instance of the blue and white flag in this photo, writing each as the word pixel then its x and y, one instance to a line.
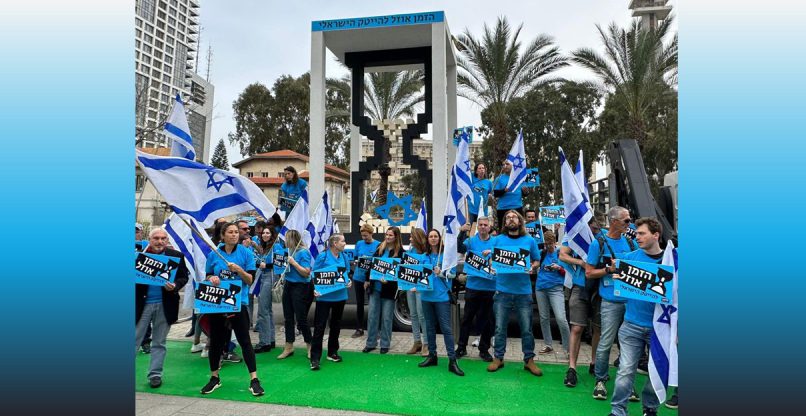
pixel 579 174
pixel 422 218
pixel 663 340
pixel 319 228
pixel 577 211
pixel 453 219
pixel 177 129
pixel 298 219
pixel 517 157
pixel 461 168
pixel 194 248
pixel 204 193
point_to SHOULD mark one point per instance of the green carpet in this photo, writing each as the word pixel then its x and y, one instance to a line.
pixel 386 384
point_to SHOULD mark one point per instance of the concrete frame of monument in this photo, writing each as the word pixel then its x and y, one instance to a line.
pixel 387 43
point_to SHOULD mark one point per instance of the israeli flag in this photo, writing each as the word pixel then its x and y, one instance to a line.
pixel 320 228
pixel 203 193
pixel 452 221
pixel 579 174
pixel 422 218
pixel 517 157
pixel 663 341
pixel 177 129
pixel 577 211
pixel 298 219
pixel 461 167
pixel 195 247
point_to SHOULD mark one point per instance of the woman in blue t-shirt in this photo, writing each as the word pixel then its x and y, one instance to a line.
pixel 297 293
pixel 265 272
pixel 415 255
pixel 291 189
pixel 231 261
pixel 437 308
pixel 364 248
pixel 382 296
pixel 549 294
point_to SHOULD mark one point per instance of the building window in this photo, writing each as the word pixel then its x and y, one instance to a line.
pixel 264 174
pixel 145 9
pixel 249 174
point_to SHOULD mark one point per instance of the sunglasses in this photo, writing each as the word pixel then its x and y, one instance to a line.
pixel 627 220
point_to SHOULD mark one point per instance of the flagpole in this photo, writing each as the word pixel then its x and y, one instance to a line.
pixel 195 231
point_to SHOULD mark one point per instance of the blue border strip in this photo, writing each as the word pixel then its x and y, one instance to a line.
pixel 407 19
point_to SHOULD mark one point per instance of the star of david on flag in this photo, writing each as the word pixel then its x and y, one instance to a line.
pixel 177 129
pixel 577 212
pixel 517 157
pixel 320 228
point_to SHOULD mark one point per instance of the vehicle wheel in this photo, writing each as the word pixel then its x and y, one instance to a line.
pixel 402 321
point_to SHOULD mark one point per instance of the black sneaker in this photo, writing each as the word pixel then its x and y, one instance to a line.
pixel 634 396
pixel 368 349
pixel 600 391
pixel 314 365
pixel 262 349
pixel 146 349
pixel 643 365
pixel 155 382
pixel 570 378
pixel 211 385
pixel 384 350
pixel 461 352
pixel 336 358
pixel 592 369
pixel 650 412
pixel 672 402
pixel 231 357
pixel 485 356
pixel 255 388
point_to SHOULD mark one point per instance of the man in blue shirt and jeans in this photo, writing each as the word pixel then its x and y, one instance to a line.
pixel 636 330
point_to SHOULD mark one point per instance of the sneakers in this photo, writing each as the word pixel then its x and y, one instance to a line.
pixel 211 385
pixel 205 353
pixel 672 402
pixel 643 367
pixel 358 333
pixel 197 348
pixel 314 365
pixel 650 412
pixel 155 382
pixel 231 357
pixel 634 396
pixel 475 343
pixel 336 358
pixel 145 349
pixel 255 388
pixel 546 350
pixel 262 349
pixel 600 391
pixel 485 356
pixel 368 349
pixel 461 352
pixel 570 378
pixel 592 369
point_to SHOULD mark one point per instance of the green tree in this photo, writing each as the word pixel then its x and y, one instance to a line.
pixel 220 160
pixel 494 69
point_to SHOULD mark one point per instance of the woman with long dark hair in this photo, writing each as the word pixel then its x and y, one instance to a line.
pixel 382 296
pixel 297 293
pixel 265 274
pixel 416 255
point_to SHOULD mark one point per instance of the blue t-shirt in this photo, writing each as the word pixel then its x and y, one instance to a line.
pixel 577 272
pixel 516 283
pixel 303 257
pixel 549 278
pixel 510 200
pixel 292 191
pixel 477 245
pixel 241 256
pixel 154 294
pixel 364 249
pixel 482 188
pixel 441 285
pixel 640 312
pixel 376 284
pixel 327 259
pixel 620 247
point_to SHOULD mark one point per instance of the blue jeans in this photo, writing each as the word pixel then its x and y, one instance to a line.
pixel 381 312
pixel 416 313
pixel 438 312
pixel 154 315
pixel 265 315
pixel 612 316
pixel 552 297
pixel 504 303
pixel 632 339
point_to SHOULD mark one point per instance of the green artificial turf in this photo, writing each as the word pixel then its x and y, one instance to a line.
pixel 387 384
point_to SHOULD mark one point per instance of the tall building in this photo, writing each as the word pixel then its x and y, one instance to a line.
pixel 200 115
pixel 650 11
pixel 166 42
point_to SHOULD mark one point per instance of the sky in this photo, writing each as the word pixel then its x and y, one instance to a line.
pixel 259 41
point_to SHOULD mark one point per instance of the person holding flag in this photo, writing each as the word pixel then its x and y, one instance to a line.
pixel 507 187
pixel 364 248
pixel 329 305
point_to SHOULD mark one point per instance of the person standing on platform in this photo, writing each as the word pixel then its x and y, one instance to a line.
pixel 482 189
pixel 291 189
pixel 508 199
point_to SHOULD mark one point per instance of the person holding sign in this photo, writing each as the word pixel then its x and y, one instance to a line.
pixel 158 306
pixel 479 291
pixel 291 189
pixel 231 261
pixel 416 255
pixel 513 288
pixel 549 294
pixel 297 293
pixel 508 199
pixel 329 304
pixel 601 254
pixel 635 332
pixel 382 296
pixel 482 189
pixel 364 250
pixel 265 272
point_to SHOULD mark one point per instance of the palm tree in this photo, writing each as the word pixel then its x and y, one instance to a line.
pixel 637 69
pixel 493 69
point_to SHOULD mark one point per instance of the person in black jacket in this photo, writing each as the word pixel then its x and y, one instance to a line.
pixel 158 306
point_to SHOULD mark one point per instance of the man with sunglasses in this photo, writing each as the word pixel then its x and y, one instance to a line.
pixel 600 265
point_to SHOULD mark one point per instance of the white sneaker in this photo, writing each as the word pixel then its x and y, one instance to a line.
pixel 475 343
pixel 197 347
pixel 205 353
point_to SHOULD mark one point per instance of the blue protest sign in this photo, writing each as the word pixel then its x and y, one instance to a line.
pixel 414 276
pixel 554 214
pixel 278 258
pixel 532 179
pixel 533 228
pixel 511 260
pixel 224 298
pixel 413 258
pixel 640 280
pixel 465 133
pixel 477 265
pixel 383 268
pixel 154 269
pixel 329 279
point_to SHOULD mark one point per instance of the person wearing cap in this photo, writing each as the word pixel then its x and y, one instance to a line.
pixel 291 189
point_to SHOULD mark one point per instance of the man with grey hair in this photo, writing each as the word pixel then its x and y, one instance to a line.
pixel 600 265
pixel 158 305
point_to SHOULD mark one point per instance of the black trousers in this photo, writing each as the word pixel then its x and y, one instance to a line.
pixel 297 298
pixel 220 327
pixel 360 296
pixel 478 306
pixel 500 217
pixel 324 309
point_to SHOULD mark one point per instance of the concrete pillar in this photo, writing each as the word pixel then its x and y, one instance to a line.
pixel 440 129
pixel 316 165
pixel 451 91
